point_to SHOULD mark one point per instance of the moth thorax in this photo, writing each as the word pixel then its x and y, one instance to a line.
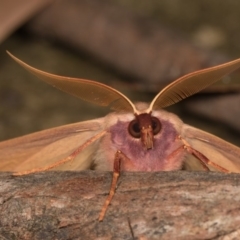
pixel 145 126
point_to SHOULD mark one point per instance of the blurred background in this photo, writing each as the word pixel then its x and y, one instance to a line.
pixel 137 47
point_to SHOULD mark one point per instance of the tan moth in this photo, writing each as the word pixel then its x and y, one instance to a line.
pixel 135 137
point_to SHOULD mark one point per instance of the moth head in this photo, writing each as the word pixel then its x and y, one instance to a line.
pixel 145 127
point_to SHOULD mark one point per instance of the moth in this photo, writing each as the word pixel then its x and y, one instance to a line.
pixel 135 137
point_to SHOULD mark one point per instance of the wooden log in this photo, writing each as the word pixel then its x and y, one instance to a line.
pixel 161 205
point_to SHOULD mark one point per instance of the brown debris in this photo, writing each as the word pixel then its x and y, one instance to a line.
pixel 15 13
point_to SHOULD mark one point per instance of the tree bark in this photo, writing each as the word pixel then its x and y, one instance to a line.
pixel 166 205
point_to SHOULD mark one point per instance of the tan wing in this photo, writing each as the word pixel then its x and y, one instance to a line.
pixel 43 148
pixel 214 148
pixel 191 84
pixel 90 91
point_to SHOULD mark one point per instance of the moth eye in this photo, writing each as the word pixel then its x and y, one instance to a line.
pixel 134 129
pixel 156 125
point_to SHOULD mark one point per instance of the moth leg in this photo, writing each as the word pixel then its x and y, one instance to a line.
pixel 67 159
pixel 119 157
pixel 202 158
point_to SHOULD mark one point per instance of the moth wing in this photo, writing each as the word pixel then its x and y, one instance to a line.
pixel 214 148
pixel 40 149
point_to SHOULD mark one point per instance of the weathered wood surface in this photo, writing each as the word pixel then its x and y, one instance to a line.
pixel 162 205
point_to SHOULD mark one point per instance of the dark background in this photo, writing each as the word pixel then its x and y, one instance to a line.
pixel 211 28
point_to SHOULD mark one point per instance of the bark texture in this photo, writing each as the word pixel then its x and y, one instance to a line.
pixel 162 205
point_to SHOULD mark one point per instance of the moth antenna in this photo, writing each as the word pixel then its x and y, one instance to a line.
pixel 90 91
pixel 191 84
